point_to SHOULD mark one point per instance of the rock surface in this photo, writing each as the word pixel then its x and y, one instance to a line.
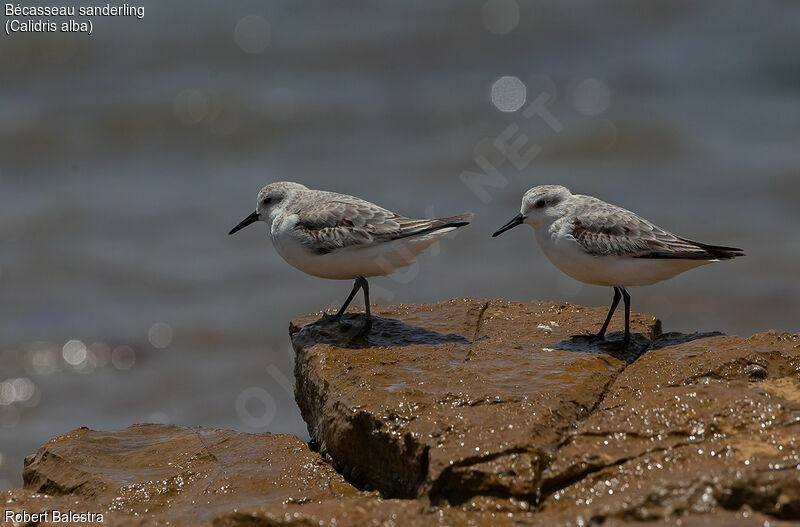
pixel 707 424
pixel 179 474
pixel 169 475
pixel 492 403
pixel 469 412
pixel 454 400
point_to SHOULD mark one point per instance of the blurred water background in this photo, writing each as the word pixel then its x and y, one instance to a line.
pixel 127 155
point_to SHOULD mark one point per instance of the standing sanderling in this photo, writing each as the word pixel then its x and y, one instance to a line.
pixel 601 244
pixel 342 237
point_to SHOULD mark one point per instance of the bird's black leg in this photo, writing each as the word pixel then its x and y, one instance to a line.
pixel 365 288
pixel 627 298
pixel 617 295
pixel 356 287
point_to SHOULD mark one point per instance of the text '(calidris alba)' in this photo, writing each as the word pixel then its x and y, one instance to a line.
pixel 601 244
pixel 342 237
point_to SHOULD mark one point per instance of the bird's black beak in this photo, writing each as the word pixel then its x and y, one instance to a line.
pixel 516 220
pixel 245 222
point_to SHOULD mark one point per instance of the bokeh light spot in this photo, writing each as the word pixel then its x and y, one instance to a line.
pixel 74 352
pixel 591 96
pixel 123 357
pixel 23 389
pixel 160 335
pixel 7 393
pixel 255 407
pixel 508 94
pixel 101 353
pixel 44 358
pixel 252 33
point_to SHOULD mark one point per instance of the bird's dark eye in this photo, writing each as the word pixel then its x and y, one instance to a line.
pixel 540 203
pixel 266 201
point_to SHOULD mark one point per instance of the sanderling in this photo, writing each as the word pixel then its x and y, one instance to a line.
pixel 601 244
pixel 342 237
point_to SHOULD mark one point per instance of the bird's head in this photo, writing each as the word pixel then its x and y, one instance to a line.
pixel 539 206
pixel 270 201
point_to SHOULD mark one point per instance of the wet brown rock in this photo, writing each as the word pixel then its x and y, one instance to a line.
pixel 21 501
pixel 178 473
pixel 454 400
pixel 471 403
pixel 357 512
pixel 743 518
pixel 481 413
pixel 687 428
pixel 177 476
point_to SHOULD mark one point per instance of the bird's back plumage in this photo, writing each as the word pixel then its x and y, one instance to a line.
pixel 332 221
pixel 603 229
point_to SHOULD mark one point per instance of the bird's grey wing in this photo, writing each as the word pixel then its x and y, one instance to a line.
pixel 339 221
pixel 342 221
pixel 606 230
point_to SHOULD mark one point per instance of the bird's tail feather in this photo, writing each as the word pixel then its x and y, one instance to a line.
pixel 456 221
pixel 434 225
pixel 718 251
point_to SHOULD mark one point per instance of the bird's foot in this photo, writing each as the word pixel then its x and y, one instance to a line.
pixel 328 318
pixel 355 332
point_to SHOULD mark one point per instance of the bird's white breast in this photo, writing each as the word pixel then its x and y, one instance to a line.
pixel 374 259
pixel 567 255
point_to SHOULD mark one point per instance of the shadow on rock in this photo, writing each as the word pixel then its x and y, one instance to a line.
pixel 675 338
pixel 638 345
pixel 610 346
pixel 348 333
